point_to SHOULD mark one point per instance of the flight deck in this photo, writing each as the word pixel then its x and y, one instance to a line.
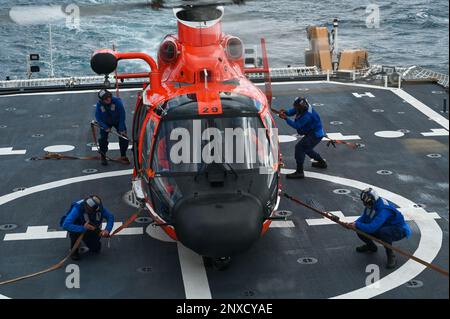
pixel 404 155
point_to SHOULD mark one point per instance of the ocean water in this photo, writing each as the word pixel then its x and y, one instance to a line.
pixel 410 32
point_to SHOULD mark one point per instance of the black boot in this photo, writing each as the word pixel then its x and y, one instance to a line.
pixel 367 248
pixel 124 160
pixel 391 259
pixel 103 160
pixel 320 164
pixel 298 174
pixel 75 255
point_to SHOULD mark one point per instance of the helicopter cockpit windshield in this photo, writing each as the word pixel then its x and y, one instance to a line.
pixel 186 142
pixel 190 148
pixel 188 145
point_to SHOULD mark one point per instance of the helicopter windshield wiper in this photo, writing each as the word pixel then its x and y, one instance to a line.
pixel 204 169
pixel 200 172
pixel 231 169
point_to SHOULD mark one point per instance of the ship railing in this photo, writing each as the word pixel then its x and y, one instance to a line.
pixel 42 82
pixel 288 73
pixel 419 73
pixel 410 73
pixel 294 72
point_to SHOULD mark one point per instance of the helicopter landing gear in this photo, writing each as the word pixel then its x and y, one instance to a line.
pixel 220 264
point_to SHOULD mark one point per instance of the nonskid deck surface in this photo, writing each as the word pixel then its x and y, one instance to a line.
pixel 405 155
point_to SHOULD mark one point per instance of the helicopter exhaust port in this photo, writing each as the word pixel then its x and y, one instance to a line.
pixel 199 26
pixel 196 16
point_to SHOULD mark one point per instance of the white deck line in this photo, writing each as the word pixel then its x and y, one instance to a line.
pixel 10 151
pixel 195 280
pixel 421 107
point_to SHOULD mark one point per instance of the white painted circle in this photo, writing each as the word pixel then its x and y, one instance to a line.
pixel 318 104
pixel 131 199
pixel 143 220
pixel 307 261
pixel 389 134
pixel 434 155
pixel 89 171
pixel 286 171
pixel 286 138
pixel 400 112
pixel 437 92
pixel 384 172
pixel 283 213
pixel 414 284
pixel 3 126
pixel 336 123
pixel 157 233
pixel 378 111
pixel 59 148
pixel 342 191
pixel 303 89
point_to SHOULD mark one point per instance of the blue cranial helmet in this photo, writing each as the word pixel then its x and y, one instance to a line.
pixel 369 197
pixel 301 101
pixel 104 94
pixel 93 203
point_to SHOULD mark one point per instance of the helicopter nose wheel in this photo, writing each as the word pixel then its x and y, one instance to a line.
pixel 220 264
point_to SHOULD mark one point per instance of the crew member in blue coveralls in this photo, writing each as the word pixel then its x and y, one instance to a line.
pixel 86 216
pixel 382 220
pixel 110 113
pixel 307 123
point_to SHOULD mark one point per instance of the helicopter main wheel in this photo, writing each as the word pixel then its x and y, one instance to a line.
pixel 220 264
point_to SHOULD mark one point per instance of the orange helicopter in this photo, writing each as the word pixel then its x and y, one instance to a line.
pixel 220 207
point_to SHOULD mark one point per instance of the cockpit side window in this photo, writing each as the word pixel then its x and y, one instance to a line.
pixel 150 131
pixel 138 123
pixel 272 134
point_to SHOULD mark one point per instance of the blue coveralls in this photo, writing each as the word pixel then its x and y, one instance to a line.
pixel 77 217
pixel 384 221
pixel 309 125
pixel 112 115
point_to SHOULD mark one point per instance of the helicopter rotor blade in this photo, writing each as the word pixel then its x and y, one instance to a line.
pixel 50 13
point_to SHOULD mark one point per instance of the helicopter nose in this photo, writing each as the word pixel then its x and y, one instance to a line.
pixel 218 225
